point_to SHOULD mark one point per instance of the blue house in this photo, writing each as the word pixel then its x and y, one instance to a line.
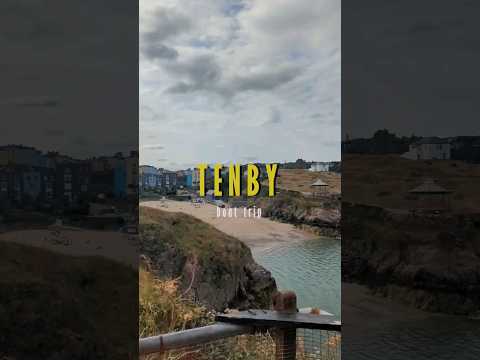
pixel 120 181
pixel 189 180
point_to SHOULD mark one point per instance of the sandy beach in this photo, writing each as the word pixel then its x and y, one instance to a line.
pixel 79 242
pixel 255 232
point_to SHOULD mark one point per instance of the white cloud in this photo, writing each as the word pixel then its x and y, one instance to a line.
pixel 224 80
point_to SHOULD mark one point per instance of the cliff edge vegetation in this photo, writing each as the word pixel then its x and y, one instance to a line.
pixel 212 268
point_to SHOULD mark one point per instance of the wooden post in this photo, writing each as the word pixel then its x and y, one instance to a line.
pixel 285 338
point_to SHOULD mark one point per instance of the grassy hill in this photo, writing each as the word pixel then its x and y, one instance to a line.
pixel 384 180
pixel 300 180
pixel 57 306
pixel 190 236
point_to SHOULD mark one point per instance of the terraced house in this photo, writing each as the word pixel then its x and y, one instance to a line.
pixel 32 179
pixel 159 180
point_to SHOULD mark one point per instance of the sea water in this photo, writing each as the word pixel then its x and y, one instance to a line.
pixel 312 269
pixel 309 268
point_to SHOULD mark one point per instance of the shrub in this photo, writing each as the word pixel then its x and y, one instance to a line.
pixel 162 308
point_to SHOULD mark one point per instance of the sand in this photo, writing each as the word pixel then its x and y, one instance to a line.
pixel 79 242
pixel 254 232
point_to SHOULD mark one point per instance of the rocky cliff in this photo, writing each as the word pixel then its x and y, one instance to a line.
pixel 320 215
pixel 214 268
pixel 430 261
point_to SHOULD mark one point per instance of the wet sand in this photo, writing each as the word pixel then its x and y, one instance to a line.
pixel 254 232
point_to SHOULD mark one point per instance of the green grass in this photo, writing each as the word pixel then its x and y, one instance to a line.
pixel 192 237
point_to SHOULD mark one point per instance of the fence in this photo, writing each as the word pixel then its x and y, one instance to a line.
pixel 249 335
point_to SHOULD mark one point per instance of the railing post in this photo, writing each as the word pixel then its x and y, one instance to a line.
pixel 285 338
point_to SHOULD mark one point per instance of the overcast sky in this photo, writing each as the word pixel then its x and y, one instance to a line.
pixel 68 78
pixel 412 72
pixel 243 81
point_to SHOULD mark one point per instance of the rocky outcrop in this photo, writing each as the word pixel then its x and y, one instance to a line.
pixel 320 215
pixel 215 269
pixel 430 261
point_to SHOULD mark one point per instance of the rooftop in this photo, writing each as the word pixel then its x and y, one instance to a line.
pixel 319 182
pixel 432 140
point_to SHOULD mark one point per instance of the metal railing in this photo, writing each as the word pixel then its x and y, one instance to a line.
pixel 252 334
pixel 192 337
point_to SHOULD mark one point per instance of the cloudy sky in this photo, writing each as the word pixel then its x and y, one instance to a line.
pixel 412 72
pixel 68 78
pixel 233 80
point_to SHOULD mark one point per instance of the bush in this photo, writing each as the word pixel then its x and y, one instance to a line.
pixel 162 308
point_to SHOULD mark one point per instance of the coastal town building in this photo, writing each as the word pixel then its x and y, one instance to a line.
pixel 160 180
pixel 148 177
pixel 72 183
pixel 168 180
pixel 181 178
pixel 188 178
pixel 21 155
pixel 319 167
pixel 131 165
pixel 429 149
pixel 195 179
pixel 30 178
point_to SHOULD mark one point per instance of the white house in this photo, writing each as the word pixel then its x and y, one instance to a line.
pixel 429 149
pixel 320 167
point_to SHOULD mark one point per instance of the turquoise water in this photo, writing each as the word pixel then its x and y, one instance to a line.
pixel 310 268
